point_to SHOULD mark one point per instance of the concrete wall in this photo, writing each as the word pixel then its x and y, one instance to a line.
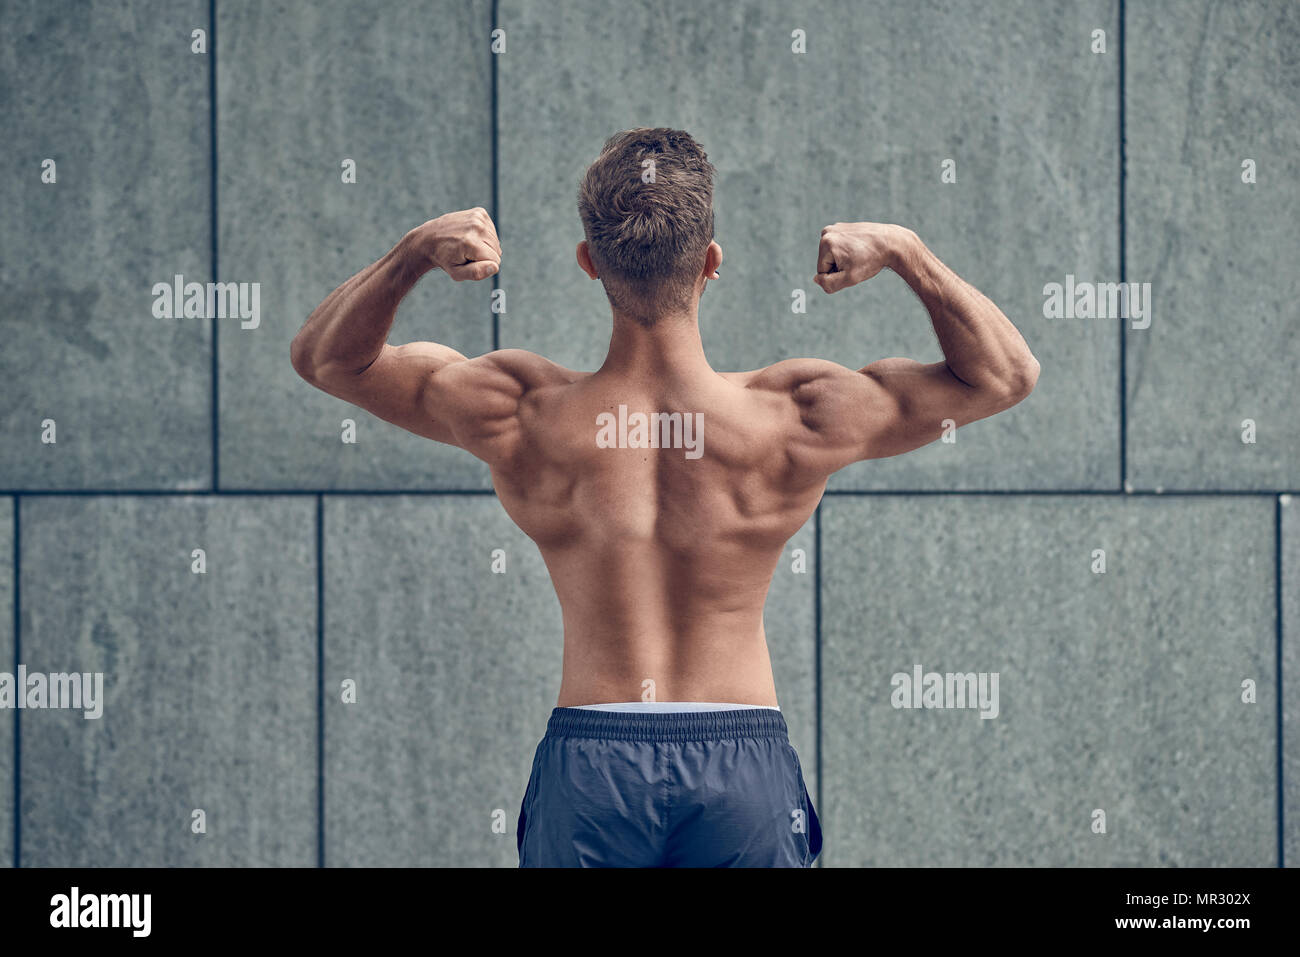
pixel 1159 695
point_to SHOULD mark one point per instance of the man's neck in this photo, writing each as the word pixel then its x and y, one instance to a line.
pixel 670 349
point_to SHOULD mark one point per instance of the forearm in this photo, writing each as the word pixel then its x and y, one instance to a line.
pixel 981 346
pixel 347 332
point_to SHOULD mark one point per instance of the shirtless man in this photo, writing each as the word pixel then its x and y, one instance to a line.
pixel 662 546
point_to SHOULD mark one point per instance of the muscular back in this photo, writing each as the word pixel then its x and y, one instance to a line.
pixel 661 560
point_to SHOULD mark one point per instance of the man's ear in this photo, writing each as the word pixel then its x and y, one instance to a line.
pixel 712 260
pixel 584 260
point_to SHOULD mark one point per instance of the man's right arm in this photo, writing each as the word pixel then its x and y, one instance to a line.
pixel 895 405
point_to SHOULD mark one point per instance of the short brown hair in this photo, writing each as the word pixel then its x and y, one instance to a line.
pixel 647 239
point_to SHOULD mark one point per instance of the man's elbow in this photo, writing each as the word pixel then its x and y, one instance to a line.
pixel 1012 386
pixel 1022 380
pixel 303 360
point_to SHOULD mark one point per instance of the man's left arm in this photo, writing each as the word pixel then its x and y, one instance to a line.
pixel 424 387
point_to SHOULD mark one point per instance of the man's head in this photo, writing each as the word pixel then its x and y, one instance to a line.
pixel 646 205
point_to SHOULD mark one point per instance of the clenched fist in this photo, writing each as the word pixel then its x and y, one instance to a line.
pixel 851 253
pixel 463 244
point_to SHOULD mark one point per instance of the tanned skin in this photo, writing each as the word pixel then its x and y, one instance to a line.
pixel 662 562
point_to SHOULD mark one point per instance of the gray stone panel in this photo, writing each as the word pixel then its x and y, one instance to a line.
pixel 112 94
pixel 856 128
pixel 1119 691
pixel 403 90
pixel 6 664
pixel 210 681
pixel 1210 86
pixel 456 671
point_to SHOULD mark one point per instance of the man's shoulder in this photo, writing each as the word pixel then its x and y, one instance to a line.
pixel 787 375
pixel 530 369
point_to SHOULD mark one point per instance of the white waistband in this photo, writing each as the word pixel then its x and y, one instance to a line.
pixel 672 707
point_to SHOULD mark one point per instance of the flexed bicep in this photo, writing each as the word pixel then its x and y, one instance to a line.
pixel 889 407
pixel 396 386
pixel 911 404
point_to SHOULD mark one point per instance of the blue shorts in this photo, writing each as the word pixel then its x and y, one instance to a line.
pixel 702 789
